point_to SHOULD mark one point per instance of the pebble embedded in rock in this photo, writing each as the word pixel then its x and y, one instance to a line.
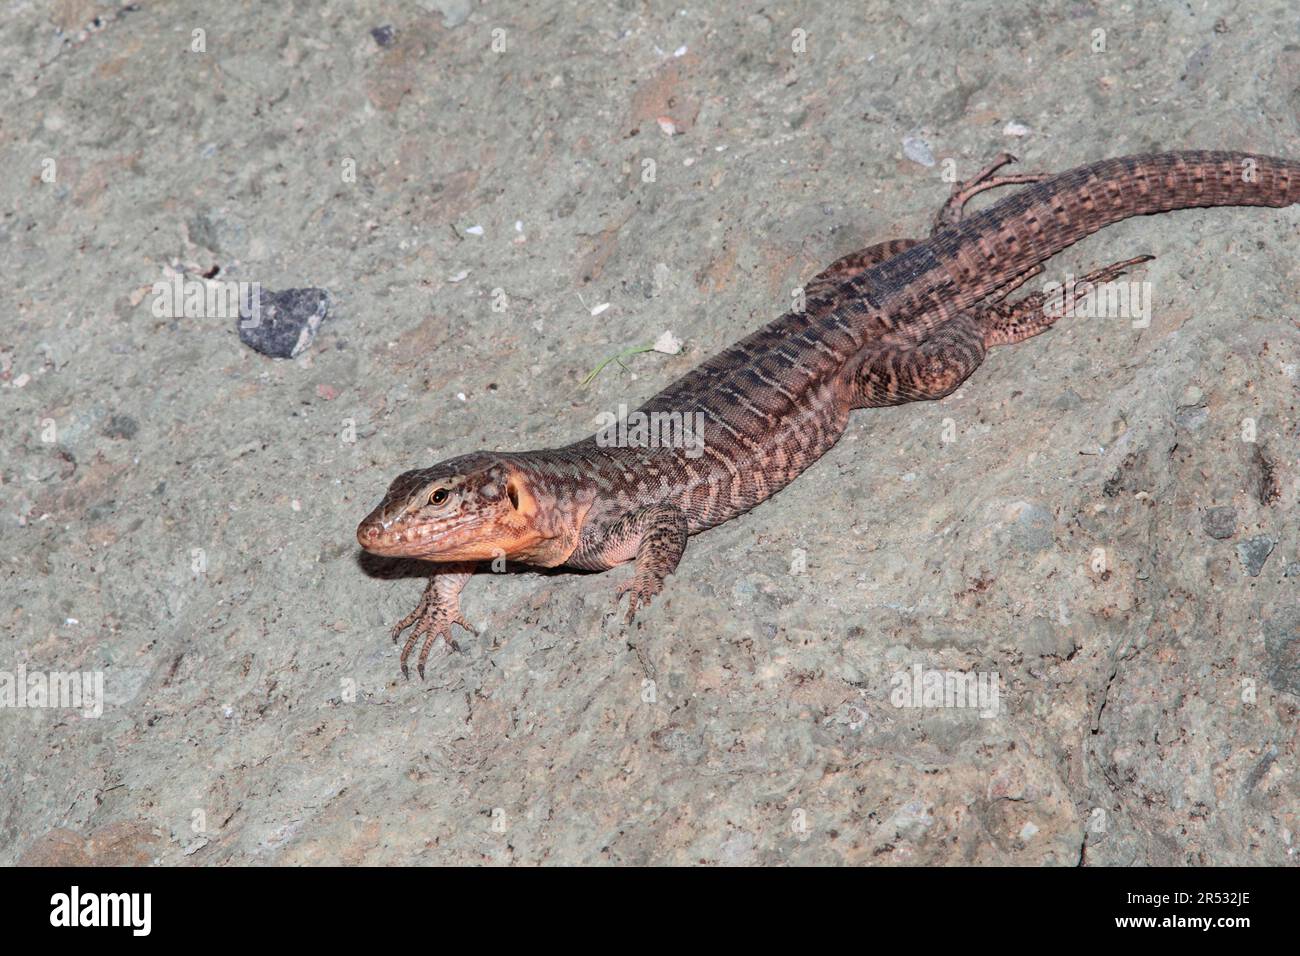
pixel 1033 528
pixel 383 35
pixel 454 12
pixel 1192 418
pixel 1220 522
pixel 1254 552
pixel 121 426
pixel 286 322
pixel 918 150
pixel 1282 645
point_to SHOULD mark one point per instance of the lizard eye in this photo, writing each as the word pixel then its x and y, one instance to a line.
pixel 438 497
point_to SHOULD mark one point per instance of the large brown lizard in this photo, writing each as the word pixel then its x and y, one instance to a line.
pixel 899 321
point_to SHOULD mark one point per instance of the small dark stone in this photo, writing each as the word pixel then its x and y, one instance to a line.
pixel 1067 400
pixel 1220 522
pixel 203 232
pixel 121 426
pixel 285 323
pixel 384 35
pixel 1192 418
pixel 1282 645
pixel 1254 552
pixel 101 511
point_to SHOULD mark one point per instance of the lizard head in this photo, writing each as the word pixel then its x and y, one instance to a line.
pixel 472 508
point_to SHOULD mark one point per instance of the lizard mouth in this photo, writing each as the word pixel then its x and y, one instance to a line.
pixel 468 539
pixel 407 541
pixel 400 533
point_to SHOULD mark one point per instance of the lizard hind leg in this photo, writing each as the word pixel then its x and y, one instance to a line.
pixel 888 373
pixel 962 193
pixel 1006 323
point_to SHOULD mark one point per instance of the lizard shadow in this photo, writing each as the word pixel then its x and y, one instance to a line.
pixel 391 569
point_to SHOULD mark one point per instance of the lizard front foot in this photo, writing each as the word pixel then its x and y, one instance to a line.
pixel 434 617
pixel 643 587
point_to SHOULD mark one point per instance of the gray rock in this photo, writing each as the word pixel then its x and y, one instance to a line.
pixel 1068 400
pixel 1220 522
pixel 1254 552
pixel 454 12
pixel 917 150
pixel 1282 645
pixel 220 233
pixel 1032 529
pixel 746 717
pixel 1047 639
pixel 1192 418
pixel 121 426
pixel 285 323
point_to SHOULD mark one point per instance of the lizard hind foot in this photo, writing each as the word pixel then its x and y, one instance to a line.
pixel 962 192
pixel 1006 323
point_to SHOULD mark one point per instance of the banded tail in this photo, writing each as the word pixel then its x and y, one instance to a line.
pixel 969 260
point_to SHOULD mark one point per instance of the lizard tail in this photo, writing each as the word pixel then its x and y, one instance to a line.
pixel 975 256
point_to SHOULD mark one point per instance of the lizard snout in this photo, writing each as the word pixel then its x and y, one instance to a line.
pixel 372 530
pixel 367 534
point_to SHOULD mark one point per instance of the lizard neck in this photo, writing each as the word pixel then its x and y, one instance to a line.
pixel 559 500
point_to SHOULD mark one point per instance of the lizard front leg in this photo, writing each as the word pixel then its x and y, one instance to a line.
pixel 437 612
pixel 656 536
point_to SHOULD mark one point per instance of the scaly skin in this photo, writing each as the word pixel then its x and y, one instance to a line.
pixel 900 321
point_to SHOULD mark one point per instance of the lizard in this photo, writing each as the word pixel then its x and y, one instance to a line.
pixel 900 321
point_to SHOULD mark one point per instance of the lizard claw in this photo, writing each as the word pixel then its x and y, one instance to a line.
pixel 432 619
pixel 431 628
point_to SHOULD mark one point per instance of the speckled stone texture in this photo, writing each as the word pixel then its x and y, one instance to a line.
pixel 1101 520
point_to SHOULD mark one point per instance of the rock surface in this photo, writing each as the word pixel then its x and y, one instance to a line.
pixel 1082 521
